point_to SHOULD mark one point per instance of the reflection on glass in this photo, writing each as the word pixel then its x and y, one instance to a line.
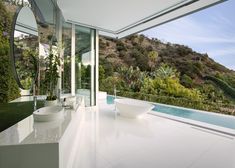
pixel 66 65
pixel 83 62
pixel 46 32
pixel 25 51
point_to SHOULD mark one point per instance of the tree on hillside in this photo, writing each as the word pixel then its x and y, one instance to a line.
pixel 152 55
pixel 133 77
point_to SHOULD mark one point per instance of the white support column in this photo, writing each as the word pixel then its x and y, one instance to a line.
pixel 97 66
pixel 92 66
pixel 73 61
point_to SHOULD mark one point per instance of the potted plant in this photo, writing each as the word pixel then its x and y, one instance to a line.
pixel 52 62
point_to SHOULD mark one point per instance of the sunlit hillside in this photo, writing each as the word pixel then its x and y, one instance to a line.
pixel 168 73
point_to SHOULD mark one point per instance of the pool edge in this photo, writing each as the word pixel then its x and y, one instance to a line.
pixel 222 130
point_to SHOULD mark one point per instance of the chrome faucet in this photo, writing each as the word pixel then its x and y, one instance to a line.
pixel 115 92
pixel 34 98
pixel 115 96
pixel 58 95
pixel 35 103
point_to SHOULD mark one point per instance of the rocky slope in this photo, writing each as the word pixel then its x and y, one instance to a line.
pixel 134 51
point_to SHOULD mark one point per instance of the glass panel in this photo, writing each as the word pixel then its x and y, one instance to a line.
pixel 45 10
pixel 94 78
pixel 83 62
pixel 46 32
pixel 66 64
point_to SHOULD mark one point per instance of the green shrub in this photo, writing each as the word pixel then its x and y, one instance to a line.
pixel 186 81
pixel 110 83
pixel 223 85
pixel 101 73
pixel 141 60
pixel 8 87
pixel 120 46
pixel 132 77
pixel 169 87
pixel 165 71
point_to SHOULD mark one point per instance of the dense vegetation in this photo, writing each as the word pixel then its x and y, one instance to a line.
pixel 149 69
pixel 8 87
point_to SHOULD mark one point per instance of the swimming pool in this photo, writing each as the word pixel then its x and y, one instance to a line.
pixel 206 117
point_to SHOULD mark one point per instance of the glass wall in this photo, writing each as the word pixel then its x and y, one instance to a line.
pixel 84 64
pixel 66 62
pixel 46 19
pixel 78 69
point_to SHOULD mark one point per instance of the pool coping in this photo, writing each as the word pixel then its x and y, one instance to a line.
pixel 203 125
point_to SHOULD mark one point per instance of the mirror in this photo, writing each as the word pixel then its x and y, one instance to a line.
pixel 24 48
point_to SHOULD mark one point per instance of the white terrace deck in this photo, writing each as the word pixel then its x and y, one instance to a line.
pixel 151 142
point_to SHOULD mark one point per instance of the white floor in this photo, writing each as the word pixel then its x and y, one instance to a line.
pixel 150 142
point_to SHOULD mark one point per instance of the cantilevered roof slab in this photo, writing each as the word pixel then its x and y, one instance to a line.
pixel 124 17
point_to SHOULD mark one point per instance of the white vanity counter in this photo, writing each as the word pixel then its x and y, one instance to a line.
pixel 30 144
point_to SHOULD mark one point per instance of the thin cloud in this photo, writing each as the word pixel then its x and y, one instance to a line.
pixel 222 52
pixel 220 19
pixel 213 34
pixel 190 31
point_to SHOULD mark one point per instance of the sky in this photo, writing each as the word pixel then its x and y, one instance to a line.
pixel 210 31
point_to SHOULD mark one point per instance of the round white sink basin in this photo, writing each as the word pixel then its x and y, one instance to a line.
pixel 50 113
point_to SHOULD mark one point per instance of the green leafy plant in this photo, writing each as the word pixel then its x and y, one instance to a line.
pixel 152 55
pixel 165 71
pixel 132 77
pixel 52 62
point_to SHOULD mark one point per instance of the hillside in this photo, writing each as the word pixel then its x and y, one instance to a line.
pixel 189 71
pixel 133 51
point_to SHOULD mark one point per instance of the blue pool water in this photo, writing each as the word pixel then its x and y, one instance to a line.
pixel 219 120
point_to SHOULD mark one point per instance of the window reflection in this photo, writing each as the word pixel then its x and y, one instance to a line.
pixel 66 63
pixel 83 63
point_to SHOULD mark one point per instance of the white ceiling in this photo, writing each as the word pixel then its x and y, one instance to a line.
pixel 124 17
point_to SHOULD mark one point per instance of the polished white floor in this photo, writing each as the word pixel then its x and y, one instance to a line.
pixel 150 142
